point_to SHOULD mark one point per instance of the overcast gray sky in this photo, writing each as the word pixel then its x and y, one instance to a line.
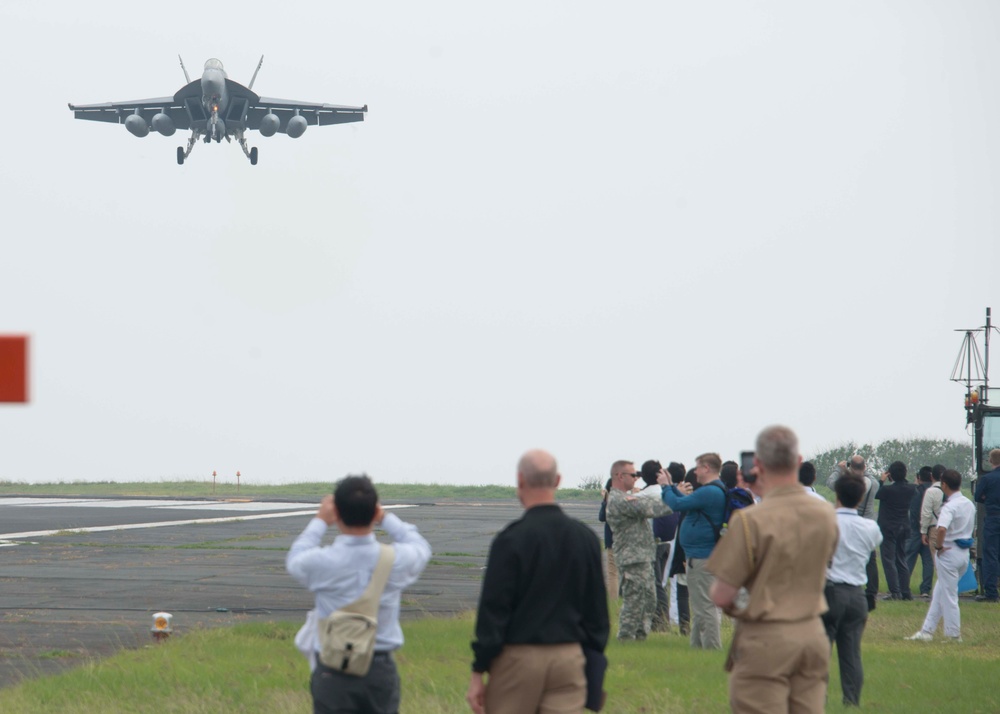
pixel 640 230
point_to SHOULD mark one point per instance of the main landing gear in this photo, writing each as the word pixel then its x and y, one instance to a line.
pixel 182 153
pixel 250 153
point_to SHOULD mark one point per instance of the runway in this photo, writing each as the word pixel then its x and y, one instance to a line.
pixel 82 577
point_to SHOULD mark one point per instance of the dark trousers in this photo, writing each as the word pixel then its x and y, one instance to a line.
pixel 376 693
pixel 914 547
pixel 845 623
pixel 991 555
pixel 871 589
pixel 683 609
pixel 661 618
pixel 897 577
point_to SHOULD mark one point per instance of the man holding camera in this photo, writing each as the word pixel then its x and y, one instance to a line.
pixel 339 573
pixel 634 550
pixel 856 467
pixel 705 511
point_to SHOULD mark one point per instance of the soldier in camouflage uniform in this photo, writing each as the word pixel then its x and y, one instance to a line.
pixel 634 551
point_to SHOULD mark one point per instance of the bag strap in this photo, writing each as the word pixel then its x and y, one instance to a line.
pixel 868 496
pixel 367 604
pixel 717 530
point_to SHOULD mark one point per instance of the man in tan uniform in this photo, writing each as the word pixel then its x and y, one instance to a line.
pixel 778 551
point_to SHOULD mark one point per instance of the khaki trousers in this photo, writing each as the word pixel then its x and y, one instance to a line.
pixel 537 679
pixel 706 620
pixel 779 668
pixel 613 583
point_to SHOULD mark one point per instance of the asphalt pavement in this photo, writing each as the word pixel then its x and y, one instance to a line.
pixel 81 578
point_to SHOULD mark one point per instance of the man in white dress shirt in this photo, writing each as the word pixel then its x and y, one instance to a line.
pixel 953 540
pixel 845 582
pixel 339 573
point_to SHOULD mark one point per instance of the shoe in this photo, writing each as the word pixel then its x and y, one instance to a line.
pixel 885 596
pixel 871 602
pixel 906 598
pixel 953 639
pixel 983 598
pixel 920 636
pixel 925 596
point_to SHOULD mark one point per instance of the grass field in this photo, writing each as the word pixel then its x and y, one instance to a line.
pixel 305 490
pixel 255 669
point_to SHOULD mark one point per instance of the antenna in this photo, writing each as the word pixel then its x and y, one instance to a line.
pixel 186 78
pixel 972 367
pixel 254 78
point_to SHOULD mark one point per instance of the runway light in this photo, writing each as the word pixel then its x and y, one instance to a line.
pixel 161 626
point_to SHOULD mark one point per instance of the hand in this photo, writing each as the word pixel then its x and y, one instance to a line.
pixel 476 696
pixel 379 515
pixel 842 465
pixel 662 478
pixel 885 475
pixel 924 539
pixel 685 488
pixel 327 511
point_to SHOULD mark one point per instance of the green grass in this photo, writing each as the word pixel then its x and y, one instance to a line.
pixel 255 669
pixel 309 491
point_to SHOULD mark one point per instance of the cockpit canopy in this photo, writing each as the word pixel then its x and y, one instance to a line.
pixel 214 64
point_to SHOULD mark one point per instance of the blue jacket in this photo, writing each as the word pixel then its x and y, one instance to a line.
pixel 704 507
pixel 988 492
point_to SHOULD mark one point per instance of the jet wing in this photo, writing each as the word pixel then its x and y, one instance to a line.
pixel 315 114
pixel 116 112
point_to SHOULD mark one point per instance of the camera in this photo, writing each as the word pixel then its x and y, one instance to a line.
pixel 747 467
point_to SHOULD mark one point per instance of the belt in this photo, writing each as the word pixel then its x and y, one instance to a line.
pixel 830 583
pixel 380 654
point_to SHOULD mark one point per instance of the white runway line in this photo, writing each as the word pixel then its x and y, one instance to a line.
pixel 164 524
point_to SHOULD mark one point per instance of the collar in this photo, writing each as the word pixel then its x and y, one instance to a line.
pixel 847 511
pixel 786 491
pixel 353 540
pixel 543 507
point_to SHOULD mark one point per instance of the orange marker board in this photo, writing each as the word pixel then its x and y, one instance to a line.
pixel 13 368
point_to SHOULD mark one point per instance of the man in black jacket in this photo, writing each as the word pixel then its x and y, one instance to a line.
pixel 894 521
pixel 542 602
pixel 915 545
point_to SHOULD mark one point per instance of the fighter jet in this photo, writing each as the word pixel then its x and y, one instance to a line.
pixel 216 108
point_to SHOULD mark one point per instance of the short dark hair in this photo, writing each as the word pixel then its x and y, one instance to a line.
pixel 692 478
pixel 728 474
pixel 937 471
pixel 849 490
pixel 650 471
pixel 676 471
pixel 924 475
pixel 807 473
pixel 953 478
pixel 355 499
pixel 897 471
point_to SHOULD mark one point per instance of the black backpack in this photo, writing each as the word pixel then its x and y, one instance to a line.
pixel 736 498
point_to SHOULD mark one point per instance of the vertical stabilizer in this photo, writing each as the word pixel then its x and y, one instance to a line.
pixel 254 78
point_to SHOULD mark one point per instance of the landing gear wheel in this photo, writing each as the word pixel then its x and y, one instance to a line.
pixel 180 155
pixel 253 156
